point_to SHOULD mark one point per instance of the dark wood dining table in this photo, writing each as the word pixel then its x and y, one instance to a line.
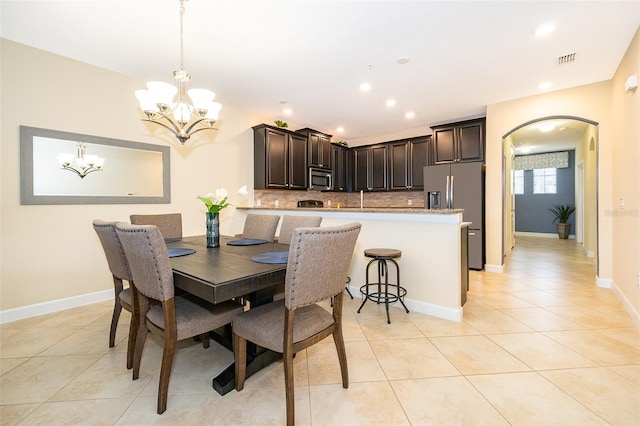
pixel 224 273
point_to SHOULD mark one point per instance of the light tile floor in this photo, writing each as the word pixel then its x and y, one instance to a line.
pixel 539 345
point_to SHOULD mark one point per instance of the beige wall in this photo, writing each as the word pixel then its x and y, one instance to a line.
pixel 626 178
pixel 51 252
pixel 588 156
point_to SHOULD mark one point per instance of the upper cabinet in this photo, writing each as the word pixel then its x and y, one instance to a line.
pixel 370 172
pixel 280 158
pixel 406 161
pixel 339 166
pixel 319 148
pixel 458 142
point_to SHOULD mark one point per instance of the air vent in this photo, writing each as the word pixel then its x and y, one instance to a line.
pixel 566 59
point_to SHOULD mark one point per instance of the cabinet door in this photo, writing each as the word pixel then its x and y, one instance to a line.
pixel 339 168
pixel 399 165
pixel 314 150
pixel 297 162
pixel 361 168
pixel 471 142
pixel 277 159
pixel 378 172
pixel 444 145
pixel 325 151
pixel 418 159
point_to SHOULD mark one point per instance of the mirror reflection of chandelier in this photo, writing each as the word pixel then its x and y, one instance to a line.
pixel 182 109
pixel 80 164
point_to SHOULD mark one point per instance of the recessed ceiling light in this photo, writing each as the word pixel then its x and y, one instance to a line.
pixel 545 85
pixel 547 127
pixel 287 111
pixel 365 87
pixel 409 114
pixel 402 61
pixel 545 29
pixel 390 103
pixel 340 129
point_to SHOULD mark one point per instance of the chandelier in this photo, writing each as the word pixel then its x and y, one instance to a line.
pixel 80 164
pixel 181 110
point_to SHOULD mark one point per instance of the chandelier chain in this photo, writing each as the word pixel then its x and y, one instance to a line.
pixel 181 35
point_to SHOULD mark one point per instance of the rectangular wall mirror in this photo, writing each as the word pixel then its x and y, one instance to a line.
pixel 132 173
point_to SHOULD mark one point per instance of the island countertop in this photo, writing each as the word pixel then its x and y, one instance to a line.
pixel 410 210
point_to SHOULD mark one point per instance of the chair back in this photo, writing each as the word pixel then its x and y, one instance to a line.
pixel 290 223
pixel 170 224
pixel 318 264
pixel 113 251
pixel 260 226
pixel 148 260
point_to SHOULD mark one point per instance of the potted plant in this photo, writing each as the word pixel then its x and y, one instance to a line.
pixel 562 213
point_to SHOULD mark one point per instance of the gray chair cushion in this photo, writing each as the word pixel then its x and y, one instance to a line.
pixel 264 325
pixel 291 222
pixel 169 224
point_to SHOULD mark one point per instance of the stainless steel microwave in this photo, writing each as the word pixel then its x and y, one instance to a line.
pixel 320 179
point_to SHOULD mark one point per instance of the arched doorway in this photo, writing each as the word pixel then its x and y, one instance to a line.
pixel 552 134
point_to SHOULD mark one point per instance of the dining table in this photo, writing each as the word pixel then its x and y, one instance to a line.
pixel 228 272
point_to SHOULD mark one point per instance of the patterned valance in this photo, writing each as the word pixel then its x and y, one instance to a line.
pixel 557 160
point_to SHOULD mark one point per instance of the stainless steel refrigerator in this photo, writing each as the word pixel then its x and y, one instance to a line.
pixel 460 186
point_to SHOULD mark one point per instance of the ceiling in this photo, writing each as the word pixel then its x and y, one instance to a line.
pixel 560 135
pixel 314 55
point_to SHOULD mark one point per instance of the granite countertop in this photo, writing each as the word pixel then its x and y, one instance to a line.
pixel 410 210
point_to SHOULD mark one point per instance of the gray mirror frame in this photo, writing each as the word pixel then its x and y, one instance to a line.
pixel 28 197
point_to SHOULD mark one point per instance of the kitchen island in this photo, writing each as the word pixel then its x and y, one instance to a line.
pixel 431 266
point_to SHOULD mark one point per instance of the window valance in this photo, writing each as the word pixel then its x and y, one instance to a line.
pixel 557 160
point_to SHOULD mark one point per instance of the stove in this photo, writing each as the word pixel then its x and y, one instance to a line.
pixel 310 203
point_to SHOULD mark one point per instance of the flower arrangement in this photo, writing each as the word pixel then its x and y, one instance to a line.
pixel 219 200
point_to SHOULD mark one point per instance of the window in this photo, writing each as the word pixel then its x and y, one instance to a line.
pixel 544 181
pixel 518 182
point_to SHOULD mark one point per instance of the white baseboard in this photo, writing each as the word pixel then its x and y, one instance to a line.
pixel 29 311
pixel 438 311
pixel 541 235
pixel 499 269
pixel 603 282
pixel 635 315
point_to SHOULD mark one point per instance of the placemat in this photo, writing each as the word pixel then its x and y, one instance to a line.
pixel 172 240
pixel 246 242
pixel 180 251
pixel 271 257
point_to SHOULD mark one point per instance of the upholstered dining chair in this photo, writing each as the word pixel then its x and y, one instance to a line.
pixel 170 224
pixel 291 222
pixel 119 268
pixel 176 317
pixel 317 268
pixel 260 226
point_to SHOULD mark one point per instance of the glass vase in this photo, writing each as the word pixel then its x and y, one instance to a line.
pixel 213 230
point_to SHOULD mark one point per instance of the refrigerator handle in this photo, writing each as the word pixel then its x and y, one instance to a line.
pixel 451 186
pixel 446 193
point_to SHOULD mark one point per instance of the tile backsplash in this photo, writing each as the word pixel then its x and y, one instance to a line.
pixel 289 198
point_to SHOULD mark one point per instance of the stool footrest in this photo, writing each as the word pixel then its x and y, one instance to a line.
pixel 383 296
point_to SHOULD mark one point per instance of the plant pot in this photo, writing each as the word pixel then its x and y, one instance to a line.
pixel 563 230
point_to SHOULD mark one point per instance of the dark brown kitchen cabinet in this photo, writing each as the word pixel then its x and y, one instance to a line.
pixel 339 166
pixel 407 159
pixel 370 168
pixel 280 158
pixel 461 142
pixel 319 145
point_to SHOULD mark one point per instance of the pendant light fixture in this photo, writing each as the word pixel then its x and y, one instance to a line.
pixel 80 164
pixel 177 108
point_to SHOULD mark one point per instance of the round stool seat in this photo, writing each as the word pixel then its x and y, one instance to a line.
pixel 383 253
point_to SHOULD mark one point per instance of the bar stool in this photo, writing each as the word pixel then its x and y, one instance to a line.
pixel 382 255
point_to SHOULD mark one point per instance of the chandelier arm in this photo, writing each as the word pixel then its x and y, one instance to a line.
pixel 174 129
pixel 198 121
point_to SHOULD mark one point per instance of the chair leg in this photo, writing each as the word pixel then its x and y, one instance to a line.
pixel 205 340
pixel 168 354
pixel 117 308
pixel 338 339
pixel 287 356
pixel 131 344
pixel 141 308
pixel 240 358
